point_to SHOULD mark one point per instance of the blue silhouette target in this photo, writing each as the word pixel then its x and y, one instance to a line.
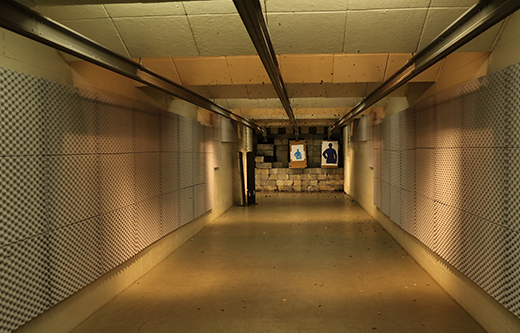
pixel 329 153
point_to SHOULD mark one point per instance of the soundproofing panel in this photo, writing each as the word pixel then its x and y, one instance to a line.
pixel 87 182
pixel 458 179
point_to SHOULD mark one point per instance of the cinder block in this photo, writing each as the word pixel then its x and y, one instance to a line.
pixel 277 164
pixel 282 176
pixel 264 153
pixel 320 130
pixel 263 177
pixel 313 182
pixel 295 171
pixel 298 183
pixel 309 142
pixel 273 171
pixel 279 182
pixel 259 159
pixel 322 176
pixel 271 188
pixel 282 171
pixel 304 130
pixel 264 171
pixel 326 188
pixel 281 142
pixel 273 130
pixel 284 148
pixel 264 165
pixel 339 188
pixel 265 146
pixel 313 176
pixel 295 177
pixel 288 182
pixel 273 177
pixel 321 171
pixel 297 188
pixel 314 189
pixel 289 130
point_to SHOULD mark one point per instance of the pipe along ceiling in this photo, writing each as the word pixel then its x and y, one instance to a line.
pixel 26 22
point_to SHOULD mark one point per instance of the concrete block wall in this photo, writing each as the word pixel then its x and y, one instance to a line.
pixel 299 180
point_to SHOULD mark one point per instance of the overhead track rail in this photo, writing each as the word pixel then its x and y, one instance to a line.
pixel 251 13
pixel 475 21
pixel 24 21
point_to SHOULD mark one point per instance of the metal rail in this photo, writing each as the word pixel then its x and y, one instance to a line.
pixel 475 21
pixel 251 13
pixel 24 21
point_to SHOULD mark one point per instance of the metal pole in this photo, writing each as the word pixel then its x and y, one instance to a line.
pixel 26 22
pixel 475 21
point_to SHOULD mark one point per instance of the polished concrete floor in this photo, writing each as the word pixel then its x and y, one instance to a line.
pixel 292 263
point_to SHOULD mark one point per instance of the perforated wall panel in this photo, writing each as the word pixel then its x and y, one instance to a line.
pixel 395 131
pixel 87 181
pixel 458 176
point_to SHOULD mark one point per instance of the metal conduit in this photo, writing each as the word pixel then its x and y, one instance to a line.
pixel 251 13
pixel 475 21
pixel 26 22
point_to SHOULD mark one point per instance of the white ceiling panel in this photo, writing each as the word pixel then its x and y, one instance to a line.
pixel 148 9
pixel 453 3
pixel 307 32
pixel 210 7
pixel 437 20
pixel 307 68
pixel 387 4
pixel 159 36
pixel 305 5
pixel 484 42
pixel 101 31
pixel 384 30
pixel 221 35
pixel 62 13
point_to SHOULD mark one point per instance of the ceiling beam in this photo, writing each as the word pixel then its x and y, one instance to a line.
pixel 251 13
pixel 475 21
pixel 26 22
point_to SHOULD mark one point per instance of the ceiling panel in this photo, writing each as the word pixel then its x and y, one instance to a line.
pixel 148 9
pixel 359 67
pixel 61 13
pixel 164 67
pixel 387 31
pixel 203 71
pixel 483 42
pixel 222 34
pixel 307 68
pixel 307 32
pixel 210 7
pixel 395 62
pixel 437 20
pixel 305 5
pixel 296 90
pixel 387 4
pixel 453 3
pixel 157 36
pixel 247 70
pixel 101 31
pixel 201 90
pixel 429 75
pixel 228 91
pixel 261 91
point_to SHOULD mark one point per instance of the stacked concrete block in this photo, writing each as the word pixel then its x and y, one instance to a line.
pixel 264 156
pixel 299 180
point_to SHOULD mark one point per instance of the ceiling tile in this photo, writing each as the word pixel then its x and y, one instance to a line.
pixel 313 33
pixel 296 90
pixel 307 68
pixel 453 3
pixel 159 36
pixel 397 31
pixel 359 67
pixel 263 113
pixel 201 90
pixel 483 42
pixel 247 70
pixel 228 91
pixel 146 9
pixel 395 62
pixel 101 31
pixel 62 13
pixel 429 75
pixel 305 5
pixel 210 7
pixel 387 4
pixel 261 91
pixel 437 20
pixel 203 71
pixel 163 67
pixel 221 35
pixel 309 113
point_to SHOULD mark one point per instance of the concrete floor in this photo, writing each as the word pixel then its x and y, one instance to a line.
pixel 292 263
